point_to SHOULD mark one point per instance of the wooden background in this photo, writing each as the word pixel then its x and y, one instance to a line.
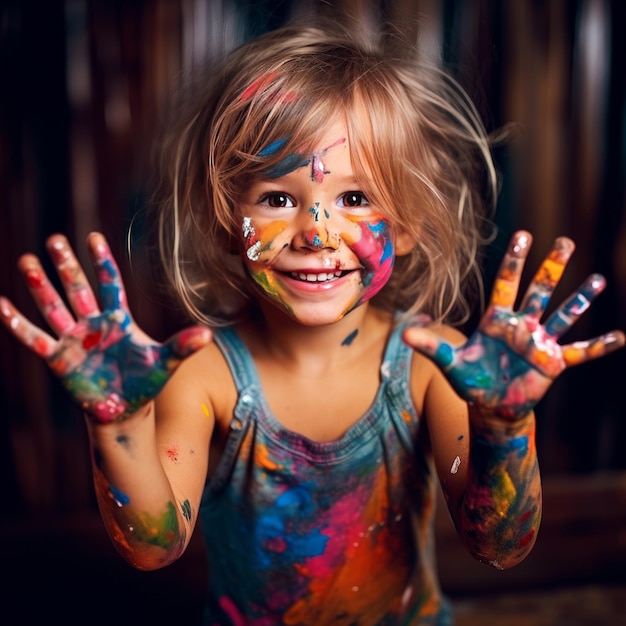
pixel 82 82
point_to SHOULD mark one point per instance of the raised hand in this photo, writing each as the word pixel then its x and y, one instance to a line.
pixel 508 364
pixel 104 360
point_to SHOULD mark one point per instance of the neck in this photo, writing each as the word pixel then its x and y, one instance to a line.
pixel 316 347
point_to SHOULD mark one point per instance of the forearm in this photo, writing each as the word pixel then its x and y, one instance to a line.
pixel 135 498
pixel 500 512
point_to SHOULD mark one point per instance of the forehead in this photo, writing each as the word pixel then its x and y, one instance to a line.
pixel 331 145
pixel 335 135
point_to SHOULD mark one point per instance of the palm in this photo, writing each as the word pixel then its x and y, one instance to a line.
pixel 492 371
pixel 509 363
pixel 109 366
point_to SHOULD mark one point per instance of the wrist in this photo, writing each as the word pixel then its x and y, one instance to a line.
pixel 124 423
pixel 490 422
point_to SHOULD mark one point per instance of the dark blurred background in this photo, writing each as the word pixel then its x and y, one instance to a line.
pixel 82 83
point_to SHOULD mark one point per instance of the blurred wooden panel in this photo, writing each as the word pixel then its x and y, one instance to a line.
pixel 75 129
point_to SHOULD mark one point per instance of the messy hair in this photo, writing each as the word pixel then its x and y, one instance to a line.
pixel 412 131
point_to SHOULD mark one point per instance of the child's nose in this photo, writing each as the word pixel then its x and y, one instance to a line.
pixel 314 232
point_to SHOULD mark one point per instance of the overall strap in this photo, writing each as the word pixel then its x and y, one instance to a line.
pixel 248 395
pixel 395 374
pixel 237 357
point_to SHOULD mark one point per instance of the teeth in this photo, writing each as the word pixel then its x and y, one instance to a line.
pixel 316 278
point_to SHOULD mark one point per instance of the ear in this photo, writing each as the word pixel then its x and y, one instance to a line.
pixel 404 243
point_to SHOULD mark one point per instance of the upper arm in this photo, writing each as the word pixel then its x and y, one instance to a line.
pixel 447 421
pixel 185 423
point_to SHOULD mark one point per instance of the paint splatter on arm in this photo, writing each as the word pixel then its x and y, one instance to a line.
pixel 503 370
pixel 500 512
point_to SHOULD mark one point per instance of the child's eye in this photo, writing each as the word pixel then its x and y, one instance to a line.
pixel 353 199
pixel 277 200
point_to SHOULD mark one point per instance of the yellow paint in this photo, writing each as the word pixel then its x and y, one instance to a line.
pixel 205 410
pixel 271 230
pixel 503 293
pixel 503 494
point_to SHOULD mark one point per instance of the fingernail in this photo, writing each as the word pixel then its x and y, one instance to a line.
pixel 520 244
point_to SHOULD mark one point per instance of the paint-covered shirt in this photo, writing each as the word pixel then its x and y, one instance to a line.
pixel 313 533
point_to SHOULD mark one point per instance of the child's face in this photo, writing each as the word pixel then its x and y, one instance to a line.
pixel 312 241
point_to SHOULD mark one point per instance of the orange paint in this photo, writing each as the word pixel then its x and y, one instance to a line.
pixel 263 459
pixel 503 293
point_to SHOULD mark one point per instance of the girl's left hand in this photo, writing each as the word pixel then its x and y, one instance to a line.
pixel 507 365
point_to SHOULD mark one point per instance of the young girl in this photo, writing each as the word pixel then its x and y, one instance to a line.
pixel 323 219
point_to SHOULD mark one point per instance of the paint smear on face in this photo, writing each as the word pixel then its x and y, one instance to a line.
pixel 375 251
pixel 370 241
pixel 259 242
pixel 295 160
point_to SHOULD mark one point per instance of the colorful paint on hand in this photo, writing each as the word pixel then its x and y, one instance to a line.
pixel 508 364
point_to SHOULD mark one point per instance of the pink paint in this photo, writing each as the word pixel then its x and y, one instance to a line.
pixel 318 171
pixel 85 302
pixel 257 85
pixel 60 319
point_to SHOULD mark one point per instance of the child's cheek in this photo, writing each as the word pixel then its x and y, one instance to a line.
pixel 372 244
pixel 262 243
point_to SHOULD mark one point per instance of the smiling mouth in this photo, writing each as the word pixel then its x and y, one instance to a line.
pixel 322 277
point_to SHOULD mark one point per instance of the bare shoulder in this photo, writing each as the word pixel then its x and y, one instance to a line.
pixel 202 386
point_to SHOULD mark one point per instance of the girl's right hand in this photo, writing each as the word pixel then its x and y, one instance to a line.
pixel 104 360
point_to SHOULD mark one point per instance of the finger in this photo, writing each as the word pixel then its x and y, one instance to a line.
pixel 431 345
pixel 563 318
pixel 112 293
pixel 547 277
pixel 30 335
pixel 582 351
pixel 77 288
pixel 185 343
pixel 47 298
pixel 507 280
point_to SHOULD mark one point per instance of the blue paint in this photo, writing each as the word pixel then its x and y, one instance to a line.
pixel 350 338
pixel 315 211
pixel 272 148
pixel 290 163
pixel 185 507
pixel 120 498
pixel 444 355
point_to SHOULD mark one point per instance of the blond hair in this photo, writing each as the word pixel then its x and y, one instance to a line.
pixel 411 128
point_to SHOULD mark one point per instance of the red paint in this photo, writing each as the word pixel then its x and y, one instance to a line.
pixel 91 340
pixel 40 346
pixel 526 539
pixel 35 279
pixel 260 83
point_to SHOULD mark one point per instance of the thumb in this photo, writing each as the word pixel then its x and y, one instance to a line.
pixel 187 341
pixel 430 344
